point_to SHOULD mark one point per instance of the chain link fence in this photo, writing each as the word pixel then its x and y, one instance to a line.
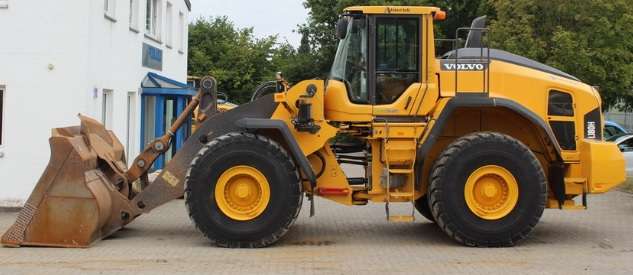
pixel 624 119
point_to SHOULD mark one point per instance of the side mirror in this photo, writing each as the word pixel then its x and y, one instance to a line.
pixel 341 27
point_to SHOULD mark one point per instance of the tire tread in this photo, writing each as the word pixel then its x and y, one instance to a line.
pixel 273 147
pixel 436 189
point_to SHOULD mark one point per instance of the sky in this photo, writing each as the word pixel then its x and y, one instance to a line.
pixel 267 17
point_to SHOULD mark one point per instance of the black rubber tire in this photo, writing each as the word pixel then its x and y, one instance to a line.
pixel 261 153
pixel 454 166
pixel 266 88
pixel 422 205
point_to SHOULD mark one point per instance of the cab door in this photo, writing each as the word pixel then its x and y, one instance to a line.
pixel 395 65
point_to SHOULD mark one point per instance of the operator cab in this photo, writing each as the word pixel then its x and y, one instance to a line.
pixel 379 69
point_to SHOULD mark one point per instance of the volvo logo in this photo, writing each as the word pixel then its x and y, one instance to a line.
pixel 397 10
pixel 452 66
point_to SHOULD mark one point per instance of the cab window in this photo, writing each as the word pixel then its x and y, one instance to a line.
pixel 560 104
pixel 397 57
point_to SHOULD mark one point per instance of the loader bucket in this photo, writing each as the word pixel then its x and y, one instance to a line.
pixel 82 195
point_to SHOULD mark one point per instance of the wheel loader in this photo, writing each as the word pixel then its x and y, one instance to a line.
pixel 479 141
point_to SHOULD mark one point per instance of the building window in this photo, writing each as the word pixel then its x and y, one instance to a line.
pixel 109 8
pixel 4 4
pixel 1 113
pixel 134 15
pixel 131 124
pixel 106 108
pixel 181 33
pixel 152 18
pixel 169 25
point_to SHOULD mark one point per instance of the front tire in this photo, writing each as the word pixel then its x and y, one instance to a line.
pixel 243 191
pixel 487 189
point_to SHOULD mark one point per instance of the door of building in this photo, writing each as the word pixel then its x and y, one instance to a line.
pixel 163 100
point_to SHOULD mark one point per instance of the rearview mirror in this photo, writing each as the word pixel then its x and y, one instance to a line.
pixel 341 27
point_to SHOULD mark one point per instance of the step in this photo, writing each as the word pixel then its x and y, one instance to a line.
pixel 571 205
pixel 357 181
pixel 576 180
pixel 395 148
pixel 568 205
pixel 360 202
pixel 401 171
pixel 401 194
pixel 402 218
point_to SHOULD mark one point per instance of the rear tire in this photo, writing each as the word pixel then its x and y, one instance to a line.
pixel 208 211
pixel 422 205
pixel 519 208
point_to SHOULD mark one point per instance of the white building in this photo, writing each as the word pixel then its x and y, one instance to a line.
pixel 61 58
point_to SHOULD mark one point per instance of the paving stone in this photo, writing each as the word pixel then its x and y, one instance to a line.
pixel 347 240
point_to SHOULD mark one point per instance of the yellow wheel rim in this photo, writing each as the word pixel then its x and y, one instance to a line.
pixel 242 193
pixel 491 192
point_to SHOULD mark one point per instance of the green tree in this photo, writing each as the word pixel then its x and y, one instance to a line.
pixel 233 56
pixel 591 39
pixel 296 64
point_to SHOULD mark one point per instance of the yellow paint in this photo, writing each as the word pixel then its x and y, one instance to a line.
pixel 308 142
pixel 416 10
pixel 567 205
pixel 400 106
pixel 280 97
pixel 338 107
pixel 602 165
pixel 335 113
pixel 491 192
pixel 333 176
pixel 242 193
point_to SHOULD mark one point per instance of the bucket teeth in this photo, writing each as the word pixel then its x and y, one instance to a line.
pixel 15 235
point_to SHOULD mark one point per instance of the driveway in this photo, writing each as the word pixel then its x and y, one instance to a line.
pixel 346 240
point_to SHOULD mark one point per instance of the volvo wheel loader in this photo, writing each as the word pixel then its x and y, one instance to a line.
pixel 479 141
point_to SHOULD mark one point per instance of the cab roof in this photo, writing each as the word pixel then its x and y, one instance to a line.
pixel 392 9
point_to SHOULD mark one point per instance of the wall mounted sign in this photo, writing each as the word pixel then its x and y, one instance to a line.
pixel 152 57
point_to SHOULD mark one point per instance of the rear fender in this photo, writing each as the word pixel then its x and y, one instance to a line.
pixel 556 175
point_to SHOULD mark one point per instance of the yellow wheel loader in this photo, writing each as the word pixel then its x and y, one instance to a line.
pixel 479 141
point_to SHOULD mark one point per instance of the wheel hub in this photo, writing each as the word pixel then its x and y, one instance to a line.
pixel 242 193
pixel 491 192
